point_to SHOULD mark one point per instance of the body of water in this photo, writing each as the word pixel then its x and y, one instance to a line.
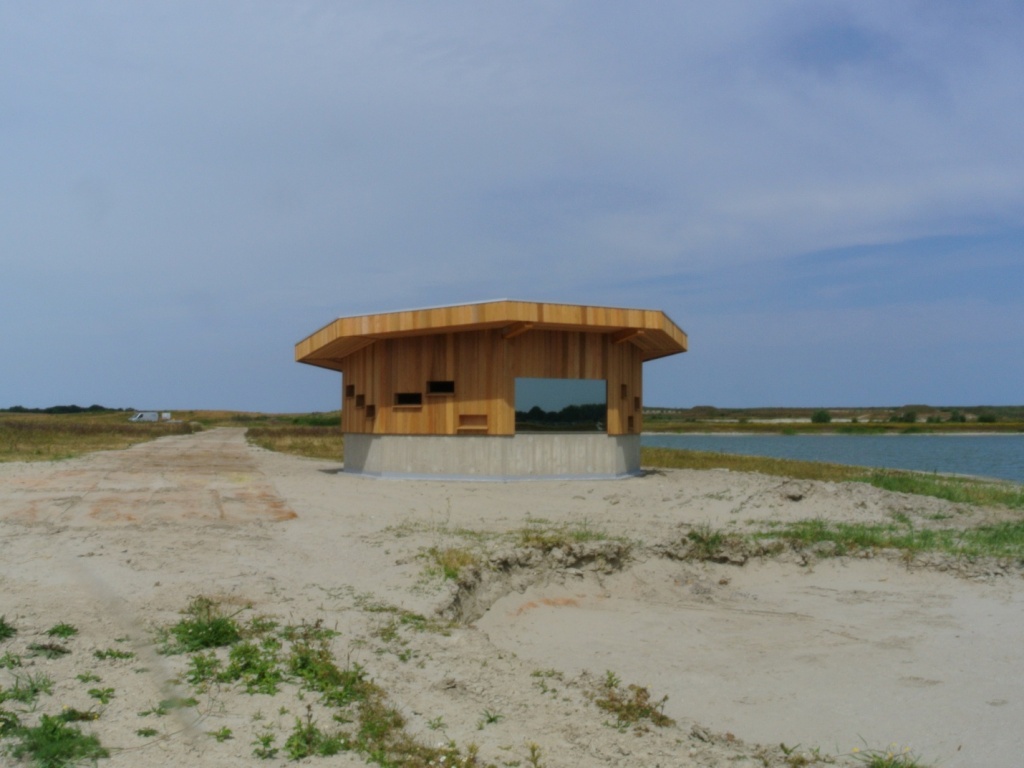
pixel 1000 456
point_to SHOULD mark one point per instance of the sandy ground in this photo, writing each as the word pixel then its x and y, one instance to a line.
pixel 825 653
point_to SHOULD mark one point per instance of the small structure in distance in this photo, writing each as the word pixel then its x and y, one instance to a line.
pixel 151 416
pixel 435 392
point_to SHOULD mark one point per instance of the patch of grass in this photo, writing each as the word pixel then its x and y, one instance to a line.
pixel 307 739
pixel 451 561
pixel 62 630
pixel 632 706
pixel 46 437
pixel 263 746
pixel 539 534
pixel 222 734
pixel 256 665
pixel 893 757
pixel 671 458
pixel 9 722
pixel 315 442
pixel 959 490
pixel 999 540
pixel 204 626
pixel 55 744
pixel 10 660
pixel 88 677
pixel 147 733
pixel 28 688
pixel 7 630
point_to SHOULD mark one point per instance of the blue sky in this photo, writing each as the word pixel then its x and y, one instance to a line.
pixel 827 197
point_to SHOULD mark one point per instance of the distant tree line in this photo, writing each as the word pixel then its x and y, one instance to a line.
pixel 62 409
pixel 589 416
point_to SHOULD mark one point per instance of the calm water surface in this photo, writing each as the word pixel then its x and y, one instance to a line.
pixel 999 456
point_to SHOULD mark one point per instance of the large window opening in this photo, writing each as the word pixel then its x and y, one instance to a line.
pixel 561 405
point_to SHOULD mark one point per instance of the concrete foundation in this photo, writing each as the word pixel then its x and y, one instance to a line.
pixel 533 456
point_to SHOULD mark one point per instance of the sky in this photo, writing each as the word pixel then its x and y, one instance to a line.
pixel 828 197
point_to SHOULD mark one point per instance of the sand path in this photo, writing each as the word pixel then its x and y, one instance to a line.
pixel 841 654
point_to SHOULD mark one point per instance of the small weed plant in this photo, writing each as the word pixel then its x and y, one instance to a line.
pixel 632 706
pixel 7 630
pixel 62 630
pixel 894 756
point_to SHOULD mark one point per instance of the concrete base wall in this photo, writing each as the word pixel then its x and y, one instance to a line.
pixel 518 457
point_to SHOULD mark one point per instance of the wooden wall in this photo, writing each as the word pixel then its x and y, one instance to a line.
pixel 483 366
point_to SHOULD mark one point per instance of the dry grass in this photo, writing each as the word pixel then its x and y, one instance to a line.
pixel 804 470
pixel 313 442
pixel 36 437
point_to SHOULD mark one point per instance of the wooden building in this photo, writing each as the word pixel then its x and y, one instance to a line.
pixel 422 388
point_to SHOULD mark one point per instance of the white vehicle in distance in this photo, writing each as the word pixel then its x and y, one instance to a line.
pixel 151 416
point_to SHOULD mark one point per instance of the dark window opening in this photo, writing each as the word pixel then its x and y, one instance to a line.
pixel 350 390
pixel 440 387
pixel 360 401
pixel 408 398
pixel 371 411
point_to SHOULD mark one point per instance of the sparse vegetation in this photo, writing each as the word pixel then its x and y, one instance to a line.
pixel 47 437
pixel 892 757
pixel 204 626
pixel 632 706
pixel 451 561
pixel 112 653
pixel 54 744
pixel 316 442
pixel 7 630
pixel 62 630
pixel 957 489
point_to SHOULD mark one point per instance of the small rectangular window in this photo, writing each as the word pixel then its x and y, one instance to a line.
pixel 636 403
pixel 350 390
pixel 408 398
pixel 624 392
pixel 360 401
pixel 440 387
pixel 371 411
pixel 629 424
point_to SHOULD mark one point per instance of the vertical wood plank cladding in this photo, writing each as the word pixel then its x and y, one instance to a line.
pixel 484 367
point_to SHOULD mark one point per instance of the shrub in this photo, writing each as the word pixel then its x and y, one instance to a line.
pixel 821 417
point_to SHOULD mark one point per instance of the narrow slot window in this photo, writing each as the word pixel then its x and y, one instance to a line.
pixel 371 411
pixel 408 398
pixel 440 387
pixel 624 392
pixel 636 403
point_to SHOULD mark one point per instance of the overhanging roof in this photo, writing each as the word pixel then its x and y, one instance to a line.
pixel 650 330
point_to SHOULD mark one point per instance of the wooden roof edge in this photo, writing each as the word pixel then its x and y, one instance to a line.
pixel 516 313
